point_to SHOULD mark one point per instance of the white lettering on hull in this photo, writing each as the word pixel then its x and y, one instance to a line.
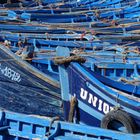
pixel 9 73
pixel 95 101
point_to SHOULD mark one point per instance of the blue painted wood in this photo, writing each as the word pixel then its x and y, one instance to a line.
pixel 82 83
pixel 26 89
pixel 38 86
pixel 71 42
pixel 118 70
pixel 55 16
pixel 30 28
pixel 94 91
pixel 27 127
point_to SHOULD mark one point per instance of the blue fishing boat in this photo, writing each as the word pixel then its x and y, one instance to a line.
pixel 19 3
pixel 92 93
pixel 26 127
pixel 19 27
pixel 118 71
pixel 92 99
pixel 27 88
pixel 53 40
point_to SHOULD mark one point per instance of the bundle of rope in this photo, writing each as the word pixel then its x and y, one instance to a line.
pixel 65 60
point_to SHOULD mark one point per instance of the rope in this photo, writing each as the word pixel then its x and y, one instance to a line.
pixel 134 51
pixel 64 60
pixel 124 80
pixel 52 121
pixel 73 104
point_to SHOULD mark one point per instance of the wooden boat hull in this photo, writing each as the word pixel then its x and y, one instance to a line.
pixel 25 89
pixel 96 98
pixel 20 126
pixel 89 97
pixel 28 29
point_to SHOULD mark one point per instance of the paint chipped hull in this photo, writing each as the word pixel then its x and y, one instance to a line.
pixel 25 89
pixel 96 96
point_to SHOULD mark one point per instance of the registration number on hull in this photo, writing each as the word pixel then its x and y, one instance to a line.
pixel 10 73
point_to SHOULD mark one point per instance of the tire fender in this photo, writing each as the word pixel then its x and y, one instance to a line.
pixel 119 116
